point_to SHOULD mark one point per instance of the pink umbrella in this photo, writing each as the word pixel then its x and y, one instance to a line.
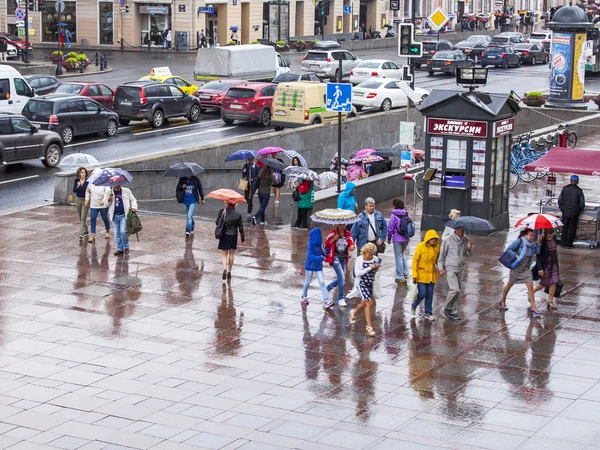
pixel 364 152
pixel 355 172
pixel 269 150
pixel 366 159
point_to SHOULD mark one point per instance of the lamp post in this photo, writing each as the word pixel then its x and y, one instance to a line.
pixel 278 20
pixel 60 7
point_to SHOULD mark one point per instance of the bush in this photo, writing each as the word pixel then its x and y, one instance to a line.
pixel 56 52
pixel 231 43
pixel 301 42
pixel 314 41
pixel 533 94
pixel 72 55
pixel 280 43
pixel 81 57
pixel 71 61
pixel 256 42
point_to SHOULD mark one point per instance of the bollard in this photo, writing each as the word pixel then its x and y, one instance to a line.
pixel 80 66
pixel 101 63
pixel 409 176
pixel 122 44
pixel 149 42
pixel 96 58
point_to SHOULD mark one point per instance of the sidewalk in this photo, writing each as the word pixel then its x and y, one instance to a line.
pixel 151 351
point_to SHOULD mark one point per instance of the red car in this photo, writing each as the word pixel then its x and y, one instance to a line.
pixel 14 41
pixel 249 101
pixel 99 92
pixel 211 94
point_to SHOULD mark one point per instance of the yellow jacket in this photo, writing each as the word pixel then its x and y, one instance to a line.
pixel 425 259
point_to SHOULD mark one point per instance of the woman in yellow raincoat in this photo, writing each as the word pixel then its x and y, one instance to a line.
pixel 424 272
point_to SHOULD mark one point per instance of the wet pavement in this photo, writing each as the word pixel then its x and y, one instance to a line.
pixel 152 351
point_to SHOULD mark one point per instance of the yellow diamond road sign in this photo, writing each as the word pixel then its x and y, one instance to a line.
pixel 437 19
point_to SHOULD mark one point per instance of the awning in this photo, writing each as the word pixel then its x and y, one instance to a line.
pixel 568 160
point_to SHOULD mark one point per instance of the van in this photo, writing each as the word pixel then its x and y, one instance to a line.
pixel 299 104
pixel 15 92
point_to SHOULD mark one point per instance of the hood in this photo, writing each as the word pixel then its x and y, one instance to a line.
pixel 399 212
pixel 431 234
pixel 350 186
pixel 314 237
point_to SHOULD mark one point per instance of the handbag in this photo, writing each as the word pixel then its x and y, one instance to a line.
pixel 243 184
pixel 296 195
pixel 506 259
pixel 380 248
pixel 534 273
pixel 220 228
pixel 557 292
pixel 179 194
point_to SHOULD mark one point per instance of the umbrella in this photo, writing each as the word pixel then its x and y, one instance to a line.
pixel 227 195
pixel 241 155
pixel 472 19
pixel 471 223
pixel 356 172
pixel 110 177
pixel 538 221
pixel 386 153
pixel 183 170
pixel 269 150
pixel 364 152
pixel 79 160
pixel 62 24
pixel 272 162
pixel 327 180
pixel 335 216
pixel 234 28
pixel 301 173
pixel 366 159
pixel 294 154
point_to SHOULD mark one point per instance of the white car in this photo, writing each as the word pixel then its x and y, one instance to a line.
pixel 11 51
pixel 539 36
pixel 375 68
pixel 383 94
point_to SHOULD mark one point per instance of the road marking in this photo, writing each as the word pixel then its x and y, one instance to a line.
pixel 86 142
pixel 177 127
pixel 19 179
pixel 216 130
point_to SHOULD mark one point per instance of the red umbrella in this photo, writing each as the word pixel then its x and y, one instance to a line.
pixel 538 222
pixel 227 195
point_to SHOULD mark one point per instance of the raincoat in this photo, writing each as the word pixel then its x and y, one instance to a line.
pixel 315 253
pixel 346 199
pixel 394 226
pixel 425 259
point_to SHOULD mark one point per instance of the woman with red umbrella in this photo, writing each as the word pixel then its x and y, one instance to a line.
pixel 547 266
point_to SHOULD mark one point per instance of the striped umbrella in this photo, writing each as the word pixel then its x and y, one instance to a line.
pixel 538 222
pixel 367 159
pixel 335 216
pixel 294 154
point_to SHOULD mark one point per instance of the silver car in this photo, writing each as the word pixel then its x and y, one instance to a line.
pixel 325 63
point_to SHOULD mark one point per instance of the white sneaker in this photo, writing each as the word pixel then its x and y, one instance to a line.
pixel 342 303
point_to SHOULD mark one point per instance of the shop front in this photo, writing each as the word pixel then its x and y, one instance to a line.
pixel 277 17
pixel 52 21
pixel 155 21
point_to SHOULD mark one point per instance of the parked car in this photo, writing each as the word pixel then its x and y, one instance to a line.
pixel 473 49
pixel 182 84
pixel 500 56
pixel 382 94
pixel 70 116
pixel 539 36
pixel 480 38
pixel 430 48
pixel 292 77
pixel 43 84
pixel 326 65
pixel 375 68
pixel 251 101
pixel 11 51
pixel 99 92
pixel 211 94
pixel 448 62
pixel 508 38
pixel 15 41
pixel 154 102
pixel 326 45
pixel 21 141
pixel 531 53
pixel 15 92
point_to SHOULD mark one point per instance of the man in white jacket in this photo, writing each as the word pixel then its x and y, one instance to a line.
pixel 121 202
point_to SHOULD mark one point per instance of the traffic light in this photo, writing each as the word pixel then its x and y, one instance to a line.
pixel 326 7
pixel 406 75
pixel 324 20
pixel 407 46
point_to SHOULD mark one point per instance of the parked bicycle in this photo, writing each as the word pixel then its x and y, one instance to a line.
pixel 564 137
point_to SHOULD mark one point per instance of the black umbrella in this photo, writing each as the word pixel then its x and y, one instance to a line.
pixel 387 153
pixel 183 170
pixel 272 162
pixel 471 223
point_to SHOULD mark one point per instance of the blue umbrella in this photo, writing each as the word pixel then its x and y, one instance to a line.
pixel 110 177
pixel 242 154
pixel 234 28
pixel 62 24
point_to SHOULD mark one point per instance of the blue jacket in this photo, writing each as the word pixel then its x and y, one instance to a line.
pixel 315 253
pixel 360 230
pixel 346 199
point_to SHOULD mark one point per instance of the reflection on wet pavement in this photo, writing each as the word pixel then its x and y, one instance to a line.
pixel 153 351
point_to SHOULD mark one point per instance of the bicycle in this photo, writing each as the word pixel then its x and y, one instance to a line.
pixel 564 137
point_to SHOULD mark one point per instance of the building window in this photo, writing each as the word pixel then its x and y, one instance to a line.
pixel 51 21
pixel 105 15
pixel 406 8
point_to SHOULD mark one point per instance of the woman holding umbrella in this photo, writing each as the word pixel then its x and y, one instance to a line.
pixel 293 181
pixel 278 180
pixel 546 266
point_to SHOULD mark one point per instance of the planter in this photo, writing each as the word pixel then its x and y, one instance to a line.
pixel 535 102
pixel 282 49
pixel 54 58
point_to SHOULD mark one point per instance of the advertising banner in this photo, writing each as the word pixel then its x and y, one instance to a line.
pixel 453 127
pixel 579 58
pixel 562 64
pixel 502 127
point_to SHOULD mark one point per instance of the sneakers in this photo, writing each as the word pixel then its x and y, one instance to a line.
pixel 264 223
pixel 446 314
pixel 430 317
pixel 369 331
pixel 352 317
pixel 126 251
pixel 277 202
pixel 253 220
pixel 342 303
pixel 118 252
pixel 455 316
pixel 304 302
pixel 413 310
pixel 328 304
pixel 187 234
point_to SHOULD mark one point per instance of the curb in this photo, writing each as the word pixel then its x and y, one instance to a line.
pixel 77 74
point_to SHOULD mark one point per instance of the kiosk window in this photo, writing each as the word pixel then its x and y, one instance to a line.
pixel 478 171
pixel 493 168
pixel 456 154
pixel 500 160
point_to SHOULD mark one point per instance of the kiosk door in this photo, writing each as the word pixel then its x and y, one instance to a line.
pixel 455 179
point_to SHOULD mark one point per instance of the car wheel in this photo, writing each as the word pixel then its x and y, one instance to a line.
pixel 386 105
pixel 123 122
pixel 546 59
pixel 505 64
pixel 533 61
pixel 158 119
pixel 417 65
pixel 265 117
pixel 194 114
pixel 518 63
pixel 67 135
pixel 111 128
pixel 279 128
pixel 227 121
pixel 52 155
pixel 316 121
pixel 430 73
pixel 359 108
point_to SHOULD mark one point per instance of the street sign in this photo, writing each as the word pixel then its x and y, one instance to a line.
pixel 395 5
pixel 348 9
pixel 59 6
pixel 181 8
pixel 20 14
pixel 206 9
pixel 30 20
pixel 123 9
pixel 339 97
pixel 407 133
pixel 20 23
pixel 437 19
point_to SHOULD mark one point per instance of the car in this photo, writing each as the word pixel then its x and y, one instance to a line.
pixel 154 101
pixel 497 55
pixel 480 38
pixel 539 36
pixel 325 63
pixel 11 50
pixel 21 141
pixel 326 45
pixel 182 84
pixel 292 77
pixel 473 49
pixel 508 38
pixel 448 62
pixel 70 116
pixel 97 91
pixel 383 94
pixel 375 68
pixel 15 41
pixel 251 101
pixel 430 48
pixel 15 92
pixel 43 84
pixel 211 94
pixel 531 53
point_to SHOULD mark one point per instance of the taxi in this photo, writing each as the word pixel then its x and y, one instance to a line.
pixel 163 74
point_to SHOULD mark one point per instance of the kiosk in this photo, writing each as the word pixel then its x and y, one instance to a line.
pixel 468 142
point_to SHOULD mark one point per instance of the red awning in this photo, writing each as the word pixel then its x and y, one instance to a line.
pixel 568 160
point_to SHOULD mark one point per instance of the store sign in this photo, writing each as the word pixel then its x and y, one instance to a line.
pixel 181 8
pixel 395 5
pixel 503 127
pixel 154 9
pixel 452 127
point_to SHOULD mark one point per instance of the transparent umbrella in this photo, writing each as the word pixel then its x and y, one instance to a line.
pixel 78 160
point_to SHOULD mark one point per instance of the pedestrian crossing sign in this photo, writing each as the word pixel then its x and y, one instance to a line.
pixel 339 97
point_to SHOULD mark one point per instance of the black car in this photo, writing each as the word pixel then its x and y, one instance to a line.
pixel 473 49
pixel 292 77
pixel 531 53
pixel 448 62
pixel 43 84
pixel 430 48
pixel 71 116
pixel 21 141
pixel 500 56
pixel 154 102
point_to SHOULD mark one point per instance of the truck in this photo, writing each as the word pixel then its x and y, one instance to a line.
pixel 251 62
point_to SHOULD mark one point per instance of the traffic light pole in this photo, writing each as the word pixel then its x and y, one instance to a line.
pixel 339 167
pixel 413 15
pixel 26 57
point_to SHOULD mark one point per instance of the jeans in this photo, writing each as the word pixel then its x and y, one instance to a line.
pixel 339 265
pixel 121 236
pixel 320 279
pixel 82 212
pixel 455 282
pixel 94 217
pixel 425 291
pixel 189 211
pixel 264 201
pixel 402 269
pixel 249 196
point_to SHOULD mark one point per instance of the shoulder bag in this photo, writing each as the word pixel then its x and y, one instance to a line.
pixel 380 248
pixel 296 195
pixel 557 292
pixel 243 184
pixel 220 228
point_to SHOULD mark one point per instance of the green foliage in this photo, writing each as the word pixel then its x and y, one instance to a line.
pixel 314 41
pixel 71 61
pixel 280 43
pixel 72 55
pixel 255 42
pixel 231 43
pixel 56 52
pixel 534 94
pixel 81 57
pixel 301 42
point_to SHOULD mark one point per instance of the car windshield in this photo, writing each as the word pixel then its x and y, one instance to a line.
pixel 369 85
pixel 69 88
pixel 429 46
pixel 241 93
pixel 444 55
pixel 495 49
pixel 285 77
pixel 475 38
pixel 368 65
pixel 316 56
pixel 217 85
pixel 538 36
pixel 40 108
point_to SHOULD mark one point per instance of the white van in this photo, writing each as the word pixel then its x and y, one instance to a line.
pixel 15 92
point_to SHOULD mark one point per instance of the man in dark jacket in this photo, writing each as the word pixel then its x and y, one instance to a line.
pixel 571 203
pixel 192 195
pixel 250 173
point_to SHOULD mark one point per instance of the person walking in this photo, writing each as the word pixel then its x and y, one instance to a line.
pixel 365 268
pixel 94 199
pixel 306 189
pixel 523 249
pixel 451 263
pixel 546 265
pixel 68 36
pixel 192 195
pixel 372 226
pixel 338 245
pixel 121 202
pixel 234 37
pixel 228 242
pixel 265 182
pixel 346 199
pixel 571 203
pixel 80 185
pixel 164 37
pixel 169 38
pixel 424 272
pixel 454 214
pixel 278 181
pixel 250 173
pixel 61 37
pixel 202 39
pixel 314 267
pixel 3 49
pixel 399 233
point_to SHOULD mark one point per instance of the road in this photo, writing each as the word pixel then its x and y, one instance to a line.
pixel 32 183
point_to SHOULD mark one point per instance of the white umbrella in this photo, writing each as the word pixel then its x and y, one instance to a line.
pixel 78 160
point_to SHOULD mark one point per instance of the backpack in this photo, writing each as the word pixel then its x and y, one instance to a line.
pixel 134 225
pixel 407 227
